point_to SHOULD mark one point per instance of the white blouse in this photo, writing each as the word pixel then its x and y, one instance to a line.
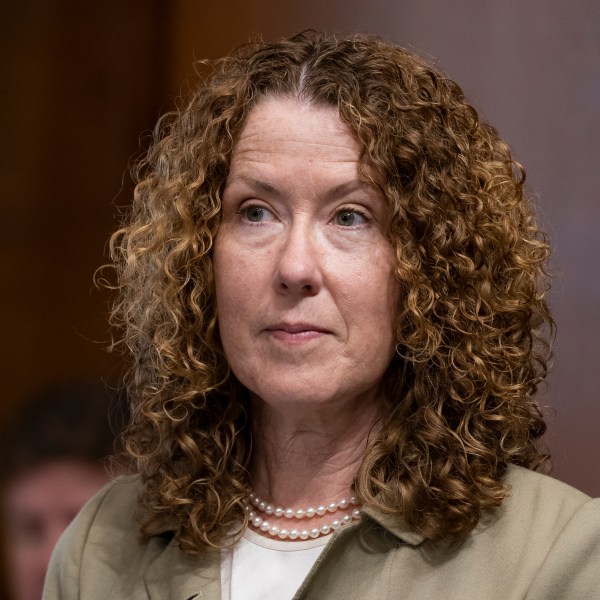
pixel 258 567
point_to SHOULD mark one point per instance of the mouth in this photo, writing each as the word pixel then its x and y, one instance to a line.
pixel 296 332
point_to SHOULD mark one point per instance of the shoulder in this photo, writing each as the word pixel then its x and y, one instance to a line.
pixel 109 515
pixel 537 510
pixel 549 533
pixel 542 543
pixel 541 498
pixel 103 540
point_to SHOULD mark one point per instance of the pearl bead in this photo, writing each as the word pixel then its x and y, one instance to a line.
pixel 299 513
pixel 253 502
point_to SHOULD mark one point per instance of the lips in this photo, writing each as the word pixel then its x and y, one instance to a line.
pixel 296 332
pixel 297 327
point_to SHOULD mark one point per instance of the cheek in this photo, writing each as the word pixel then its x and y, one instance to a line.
pixel 236 294
pixel 228 303
pixel 375 285
pixel 242 274
pixel 226 269
pixel 382 301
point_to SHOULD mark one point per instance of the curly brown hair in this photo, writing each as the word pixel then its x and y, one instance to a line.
pixel 473 336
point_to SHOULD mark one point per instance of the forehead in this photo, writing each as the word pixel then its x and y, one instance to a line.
pixel 295 127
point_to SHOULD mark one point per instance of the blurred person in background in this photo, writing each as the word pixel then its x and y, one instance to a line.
pixel 53 461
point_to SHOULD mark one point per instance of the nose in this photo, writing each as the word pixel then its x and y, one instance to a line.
pixel 299 266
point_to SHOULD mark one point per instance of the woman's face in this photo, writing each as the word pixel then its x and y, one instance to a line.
pixel 305 284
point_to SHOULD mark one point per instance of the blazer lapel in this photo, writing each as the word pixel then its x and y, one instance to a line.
pixel 174 575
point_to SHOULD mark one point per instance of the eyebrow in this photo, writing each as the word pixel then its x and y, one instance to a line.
pixel 337 191
pixel 343 189
pixel 256 184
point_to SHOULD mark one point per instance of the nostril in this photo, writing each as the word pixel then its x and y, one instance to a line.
pixel 302 288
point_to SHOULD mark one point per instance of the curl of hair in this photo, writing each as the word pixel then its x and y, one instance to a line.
pixel 473 329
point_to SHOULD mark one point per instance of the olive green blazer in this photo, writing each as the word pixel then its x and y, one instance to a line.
pixel 543 543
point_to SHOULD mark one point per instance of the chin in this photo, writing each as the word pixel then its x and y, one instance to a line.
pixel 313 396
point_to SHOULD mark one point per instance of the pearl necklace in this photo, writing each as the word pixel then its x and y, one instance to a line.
pixel 262 524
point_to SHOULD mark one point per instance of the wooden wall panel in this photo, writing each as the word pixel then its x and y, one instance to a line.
pixel 81 82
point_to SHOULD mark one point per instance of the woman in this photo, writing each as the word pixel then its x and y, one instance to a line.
pixel 333 288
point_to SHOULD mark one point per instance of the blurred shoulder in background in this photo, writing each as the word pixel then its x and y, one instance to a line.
pixel 54 458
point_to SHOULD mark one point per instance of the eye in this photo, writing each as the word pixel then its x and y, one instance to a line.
pixel 256 214
pixel 350 218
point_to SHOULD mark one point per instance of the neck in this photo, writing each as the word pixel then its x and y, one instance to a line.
pixel 306 456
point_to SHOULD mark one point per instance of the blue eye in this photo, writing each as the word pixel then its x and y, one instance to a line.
pixel 256 214
pixel 349 218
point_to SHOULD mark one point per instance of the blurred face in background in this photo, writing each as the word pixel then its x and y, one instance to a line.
pixel 38 505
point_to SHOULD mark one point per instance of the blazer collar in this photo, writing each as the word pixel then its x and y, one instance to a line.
pixel 178 576
pixel 394 525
